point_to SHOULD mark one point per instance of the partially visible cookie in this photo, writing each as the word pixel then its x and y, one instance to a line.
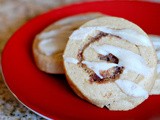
pixel 48 46
pixel 156 42
pixel 106 63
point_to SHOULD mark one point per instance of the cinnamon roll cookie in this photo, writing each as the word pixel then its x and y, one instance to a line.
pixel 111 63
pixel 156 42
pixel 48 46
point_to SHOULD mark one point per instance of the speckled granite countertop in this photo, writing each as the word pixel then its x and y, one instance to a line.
pixel 13 14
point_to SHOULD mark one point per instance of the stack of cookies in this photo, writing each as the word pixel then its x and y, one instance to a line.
pixel 108 61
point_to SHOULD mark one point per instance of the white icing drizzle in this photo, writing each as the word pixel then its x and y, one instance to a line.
pixel 156 41
pixel 98 66
pixel 53 33
pixel 128 87
pixel 156 44
pixel 127 34
pixel 158 54
pixel 50 46
pixel 154 38
pixel 54 40
pixel 158 68
pixel 46 35
pixel 71 60
pixel 132 89
pixel 128 59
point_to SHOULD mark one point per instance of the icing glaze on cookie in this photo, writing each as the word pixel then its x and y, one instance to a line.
pixel 158 68
pixel 50 46
pixel 128 87
pixel 126 34
pixel 71 60
pixel 54 40
pixel 46 35
pixel 99 66
pixel 65 30
pixel 98 82
pixel 132 89
pixel 156 42
pixel 158 54
pixel 128 59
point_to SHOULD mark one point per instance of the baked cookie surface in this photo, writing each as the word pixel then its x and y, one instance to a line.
pixel 106 63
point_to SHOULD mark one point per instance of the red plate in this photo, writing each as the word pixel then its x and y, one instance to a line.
pixel 50 95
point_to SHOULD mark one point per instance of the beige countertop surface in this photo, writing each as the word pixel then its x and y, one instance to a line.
pixel 13 14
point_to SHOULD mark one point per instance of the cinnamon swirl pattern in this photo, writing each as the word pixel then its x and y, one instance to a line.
pixel 106 63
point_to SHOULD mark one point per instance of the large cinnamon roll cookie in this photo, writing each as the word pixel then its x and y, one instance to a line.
pixel 156 42
pixel 111 63
pixel 48 46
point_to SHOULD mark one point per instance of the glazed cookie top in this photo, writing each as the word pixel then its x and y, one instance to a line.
pixel 112 50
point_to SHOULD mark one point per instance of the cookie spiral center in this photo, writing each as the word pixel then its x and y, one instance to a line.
pixel 110 74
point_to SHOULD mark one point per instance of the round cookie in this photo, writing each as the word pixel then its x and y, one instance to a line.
pixel 48 46
pixel 106 63
pixel 156 42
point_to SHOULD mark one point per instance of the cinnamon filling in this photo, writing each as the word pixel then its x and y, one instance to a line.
pixel 92 40
pixel 111 74
pixel 109 58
